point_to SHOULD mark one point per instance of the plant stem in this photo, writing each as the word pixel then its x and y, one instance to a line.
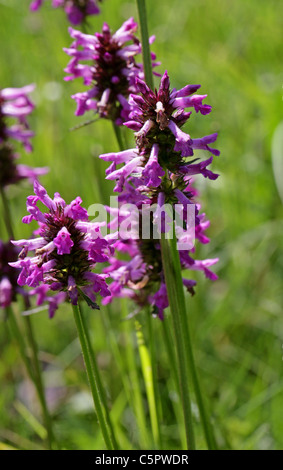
pixel 118 135
pixel 36 374
pixel 97 399
pixel 17 334
pixel 149 384
pixel 208 431
pixel 39 382
pixel 100 387
pixel 177 306
pixel 145 43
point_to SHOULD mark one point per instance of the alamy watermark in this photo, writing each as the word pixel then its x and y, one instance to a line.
pixel 127 221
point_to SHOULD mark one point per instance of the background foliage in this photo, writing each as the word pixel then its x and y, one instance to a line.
pixel 234 49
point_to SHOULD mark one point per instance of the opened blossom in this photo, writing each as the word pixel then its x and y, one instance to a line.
pixel 161 145
pixel 106 63
pixel 77 11
pixel 66 251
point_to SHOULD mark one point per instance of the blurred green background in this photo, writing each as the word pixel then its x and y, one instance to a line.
pixel 234 50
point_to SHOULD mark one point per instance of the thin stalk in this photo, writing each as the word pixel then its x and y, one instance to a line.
pixel 7 214
pixel 17 334
pixel 145 43
pixel 136 392
pixel 97 399
pixel 149 384
pixel 99 384
pixel 118 135
pixel 208 431
pixel 177 306
pixel 39 383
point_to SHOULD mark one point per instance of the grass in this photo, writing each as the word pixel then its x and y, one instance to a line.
pixel 234 49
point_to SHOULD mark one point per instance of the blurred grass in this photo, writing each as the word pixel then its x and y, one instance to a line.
pixel 234 49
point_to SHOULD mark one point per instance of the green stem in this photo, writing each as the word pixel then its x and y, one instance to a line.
pixel 97 399
pixel 17 334
pixel 177 306
pixel 149 384
pixel 118 135
pixel 39 382
pixel 208 431
pixel 145 43
pixel 100 387
pixel 7 214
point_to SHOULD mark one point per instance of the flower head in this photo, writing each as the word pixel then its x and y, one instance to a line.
pixel 108 67
pixel 65 253
pixel 161 145
pixel 76 10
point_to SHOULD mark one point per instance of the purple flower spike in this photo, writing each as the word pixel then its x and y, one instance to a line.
pixel 76 10
pixel 66 251
pixel 155 174
pixel 15 105
pixel 109 67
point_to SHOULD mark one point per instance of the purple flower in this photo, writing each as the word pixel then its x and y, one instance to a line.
pixel 15 104
pixel 161 145
pixel 159 171
pixel 76 10
pixel 106 63
pixel 65 253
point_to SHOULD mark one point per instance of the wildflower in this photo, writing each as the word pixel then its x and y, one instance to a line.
pixel 15 104
pixel 108 67
pixel 76 10
pixel 159 170
pixel 65 253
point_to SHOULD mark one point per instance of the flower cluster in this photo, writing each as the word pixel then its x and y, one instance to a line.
pixel 76 10
pixel 65 253
pixel 156 172
pixel 16 105
pixel 108 67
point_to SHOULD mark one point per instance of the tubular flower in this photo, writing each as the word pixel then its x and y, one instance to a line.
pixel 15 104
pixel 65 253
pixel 108 67
pixel 76 10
